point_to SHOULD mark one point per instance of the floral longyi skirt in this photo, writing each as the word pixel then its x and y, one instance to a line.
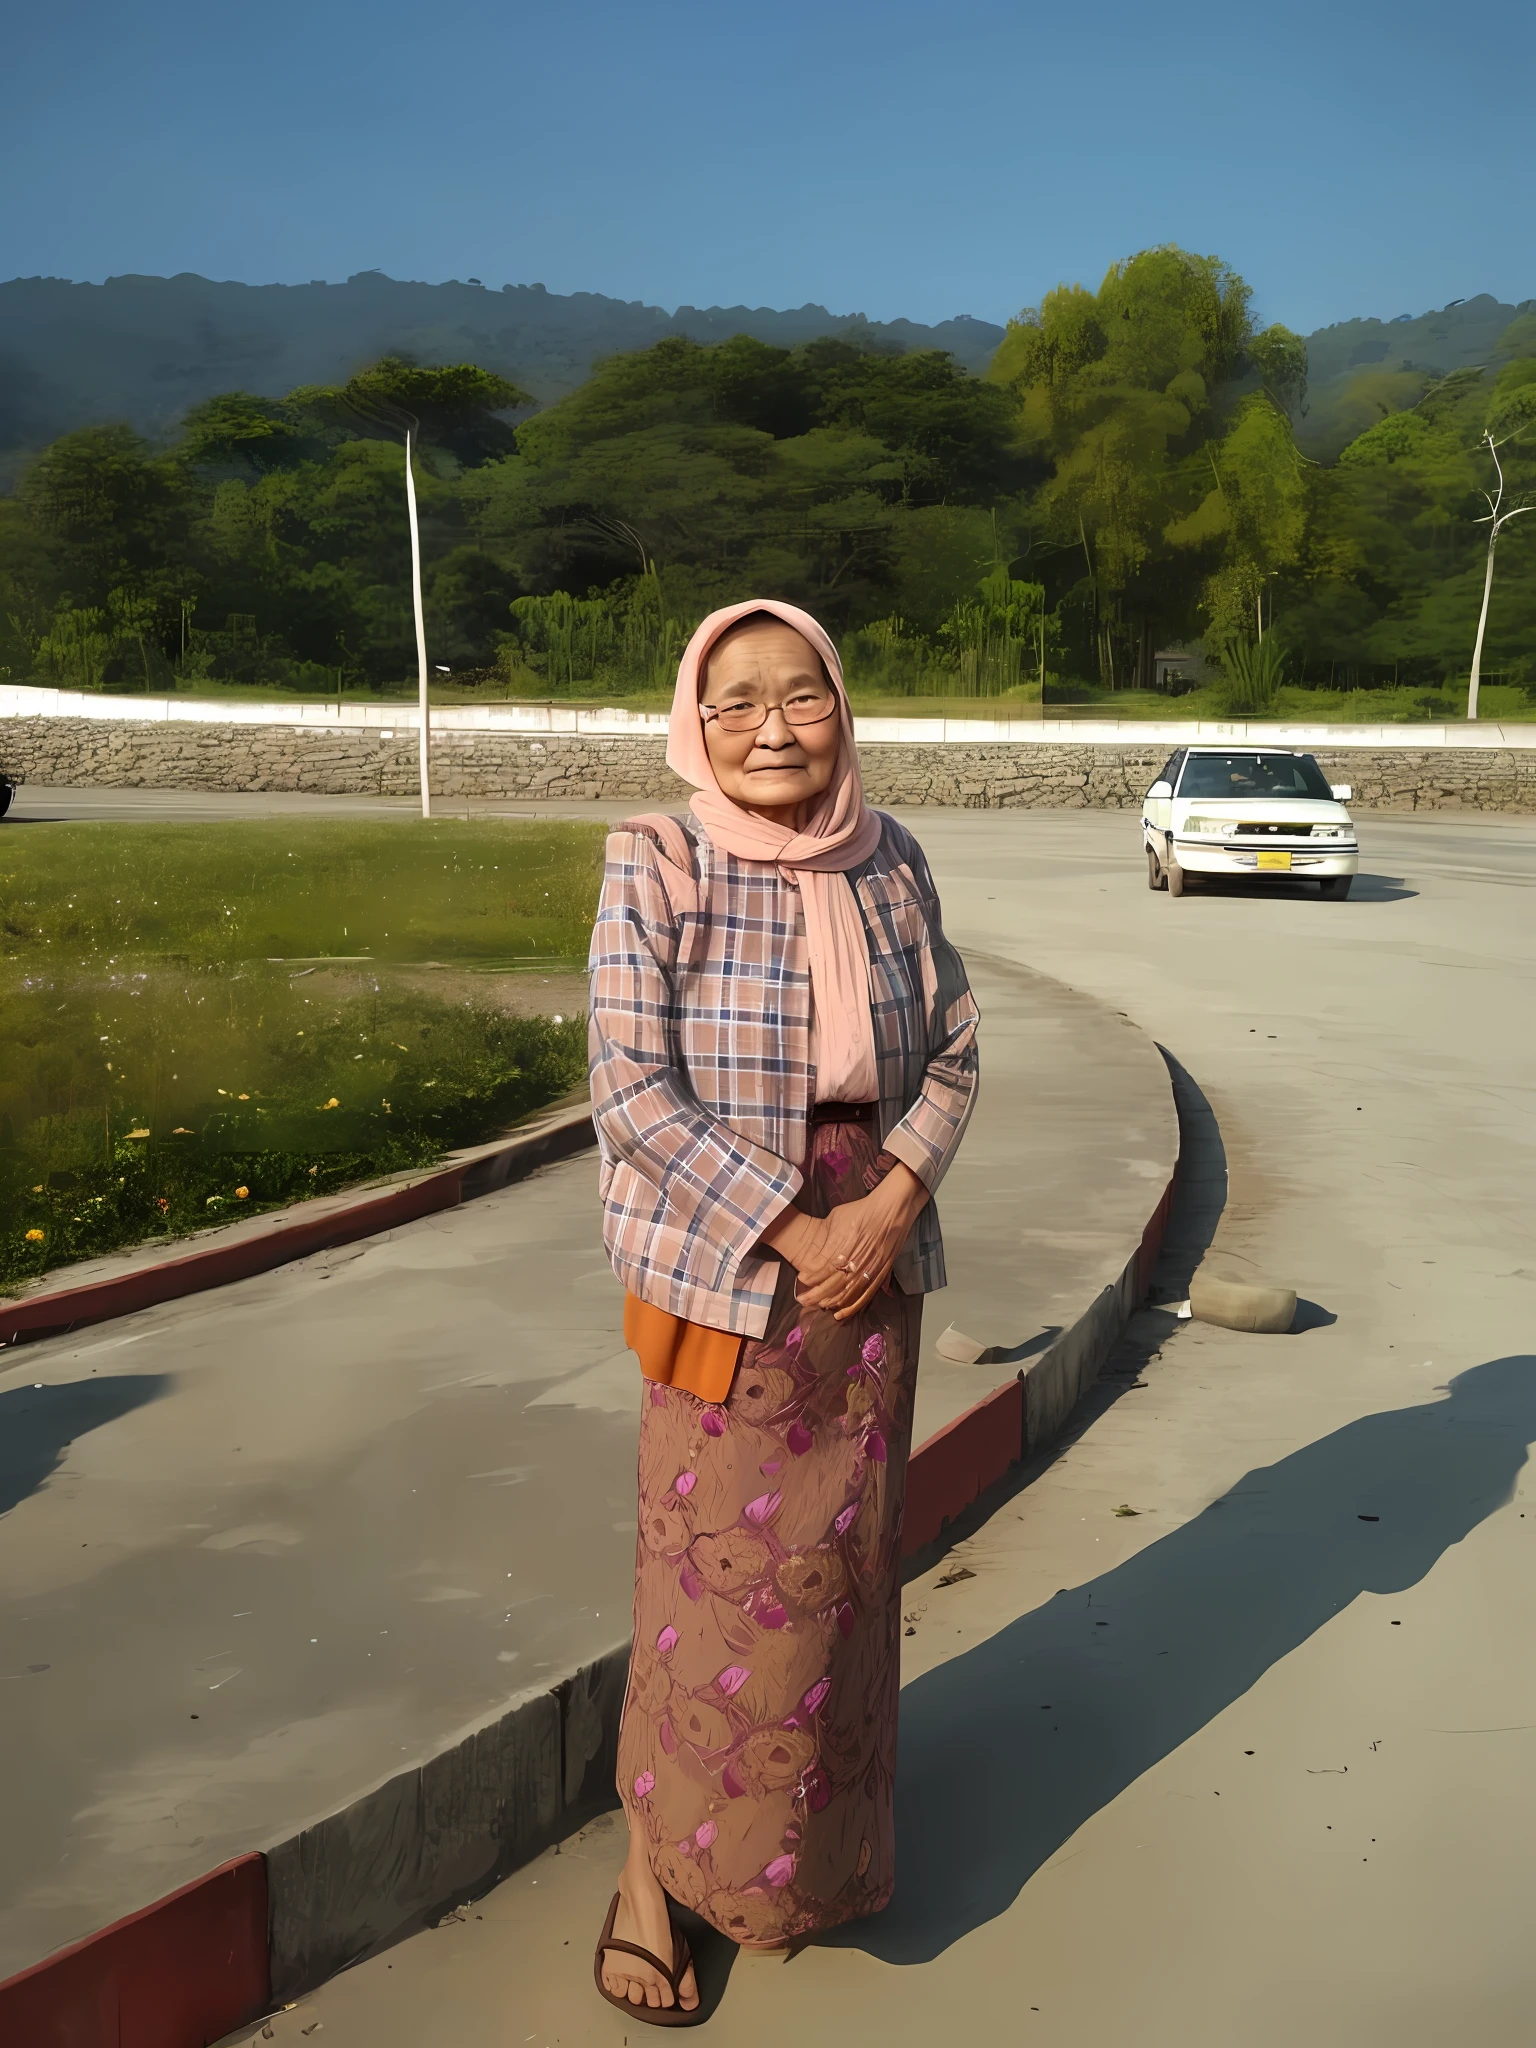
pixel 758 1745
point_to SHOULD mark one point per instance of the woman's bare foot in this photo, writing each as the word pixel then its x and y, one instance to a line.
pixel 643 1919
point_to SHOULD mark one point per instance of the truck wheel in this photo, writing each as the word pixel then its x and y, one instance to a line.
pixel 1156 879
pixel 1334 885
pixel 1175 877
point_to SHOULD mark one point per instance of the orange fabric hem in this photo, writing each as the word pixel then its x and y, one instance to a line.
pixel 681 1354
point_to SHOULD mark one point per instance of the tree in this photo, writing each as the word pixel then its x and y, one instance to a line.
pixel 1112 390
pixel 1132 450
pixel 458 405
pixel 238 430
pixel 1280 357
pixel 950 431
pixel 998 635
pixel 1255 513
pixel 1396 556
pixel 1496 519
pixel 108 508
pixel 29 586
pixel 744 466
pixel 77 647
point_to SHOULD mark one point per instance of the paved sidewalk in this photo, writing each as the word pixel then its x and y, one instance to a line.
pixel 270 1545
pixel 1255 1762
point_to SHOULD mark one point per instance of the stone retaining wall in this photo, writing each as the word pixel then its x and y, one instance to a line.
pixel 354 761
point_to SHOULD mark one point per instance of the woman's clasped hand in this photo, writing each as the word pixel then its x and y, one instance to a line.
pixel 844 1259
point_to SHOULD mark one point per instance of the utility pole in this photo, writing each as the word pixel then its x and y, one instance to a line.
pixel 421 633
pixel 383 411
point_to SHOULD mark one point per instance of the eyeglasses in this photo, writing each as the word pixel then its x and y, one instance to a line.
pixel 803 710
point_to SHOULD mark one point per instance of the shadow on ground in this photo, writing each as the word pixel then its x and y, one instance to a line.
pixel 1311 1315
pixel 1200 1195
pixel 38 1424
pixel 1366 888
pixel 1381 889
pixel 1200 1186
pixel 1008 1750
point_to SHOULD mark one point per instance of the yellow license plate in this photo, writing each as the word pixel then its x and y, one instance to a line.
pixel 1275 860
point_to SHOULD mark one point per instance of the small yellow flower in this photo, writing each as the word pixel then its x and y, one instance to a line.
pixel 245 1098
pixel 38 1189
pixel 241 1193
pixel 34 1237
pixel 332 1104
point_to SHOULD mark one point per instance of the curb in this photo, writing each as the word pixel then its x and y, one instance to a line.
pixel 264 1243
pixel 972 1454
pixel 531 721
pixel 260 1932
pixel 168 1976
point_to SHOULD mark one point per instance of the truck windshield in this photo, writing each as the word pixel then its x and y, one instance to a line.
pixel 1248 775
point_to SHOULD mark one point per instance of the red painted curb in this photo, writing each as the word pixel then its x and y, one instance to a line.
pixel 956 1466
pixel 68 1308
pixel 177 1974
pixel 1152 1238
pixel 958 1463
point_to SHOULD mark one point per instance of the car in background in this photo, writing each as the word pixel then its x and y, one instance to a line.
pixel 7 791
pixel 1248 811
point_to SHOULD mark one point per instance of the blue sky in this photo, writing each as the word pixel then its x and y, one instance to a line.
pixel 916 157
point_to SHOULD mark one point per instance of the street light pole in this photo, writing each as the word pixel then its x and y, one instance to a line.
pixel 421 633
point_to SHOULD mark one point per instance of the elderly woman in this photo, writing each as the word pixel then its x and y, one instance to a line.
pixel 783 1064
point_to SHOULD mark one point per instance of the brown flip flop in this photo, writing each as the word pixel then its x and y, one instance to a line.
pixel 651 2015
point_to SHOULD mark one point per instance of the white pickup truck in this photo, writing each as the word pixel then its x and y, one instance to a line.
pixel 1244 811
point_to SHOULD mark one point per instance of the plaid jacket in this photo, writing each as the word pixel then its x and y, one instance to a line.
pixel 700 1046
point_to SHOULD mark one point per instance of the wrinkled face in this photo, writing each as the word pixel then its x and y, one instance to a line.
pixel 766 671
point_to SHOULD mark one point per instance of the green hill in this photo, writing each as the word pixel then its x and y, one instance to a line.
pixel 145 349
pixel 1359 370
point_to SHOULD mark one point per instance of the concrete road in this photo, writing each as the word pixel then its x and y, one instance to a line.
pixel 1232 1736
pixel 268 1546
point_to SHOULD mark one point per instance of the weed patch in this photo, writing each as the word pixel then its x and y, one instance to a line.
pixel 192 1029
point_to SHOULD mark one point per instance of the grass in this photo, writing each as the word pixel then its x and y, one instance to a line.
pixel 492 891
pixel 198 1021
pixel 1297 705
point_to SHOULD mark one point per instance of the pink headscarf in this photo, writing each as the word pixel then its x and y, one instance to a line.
pixel 840 833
